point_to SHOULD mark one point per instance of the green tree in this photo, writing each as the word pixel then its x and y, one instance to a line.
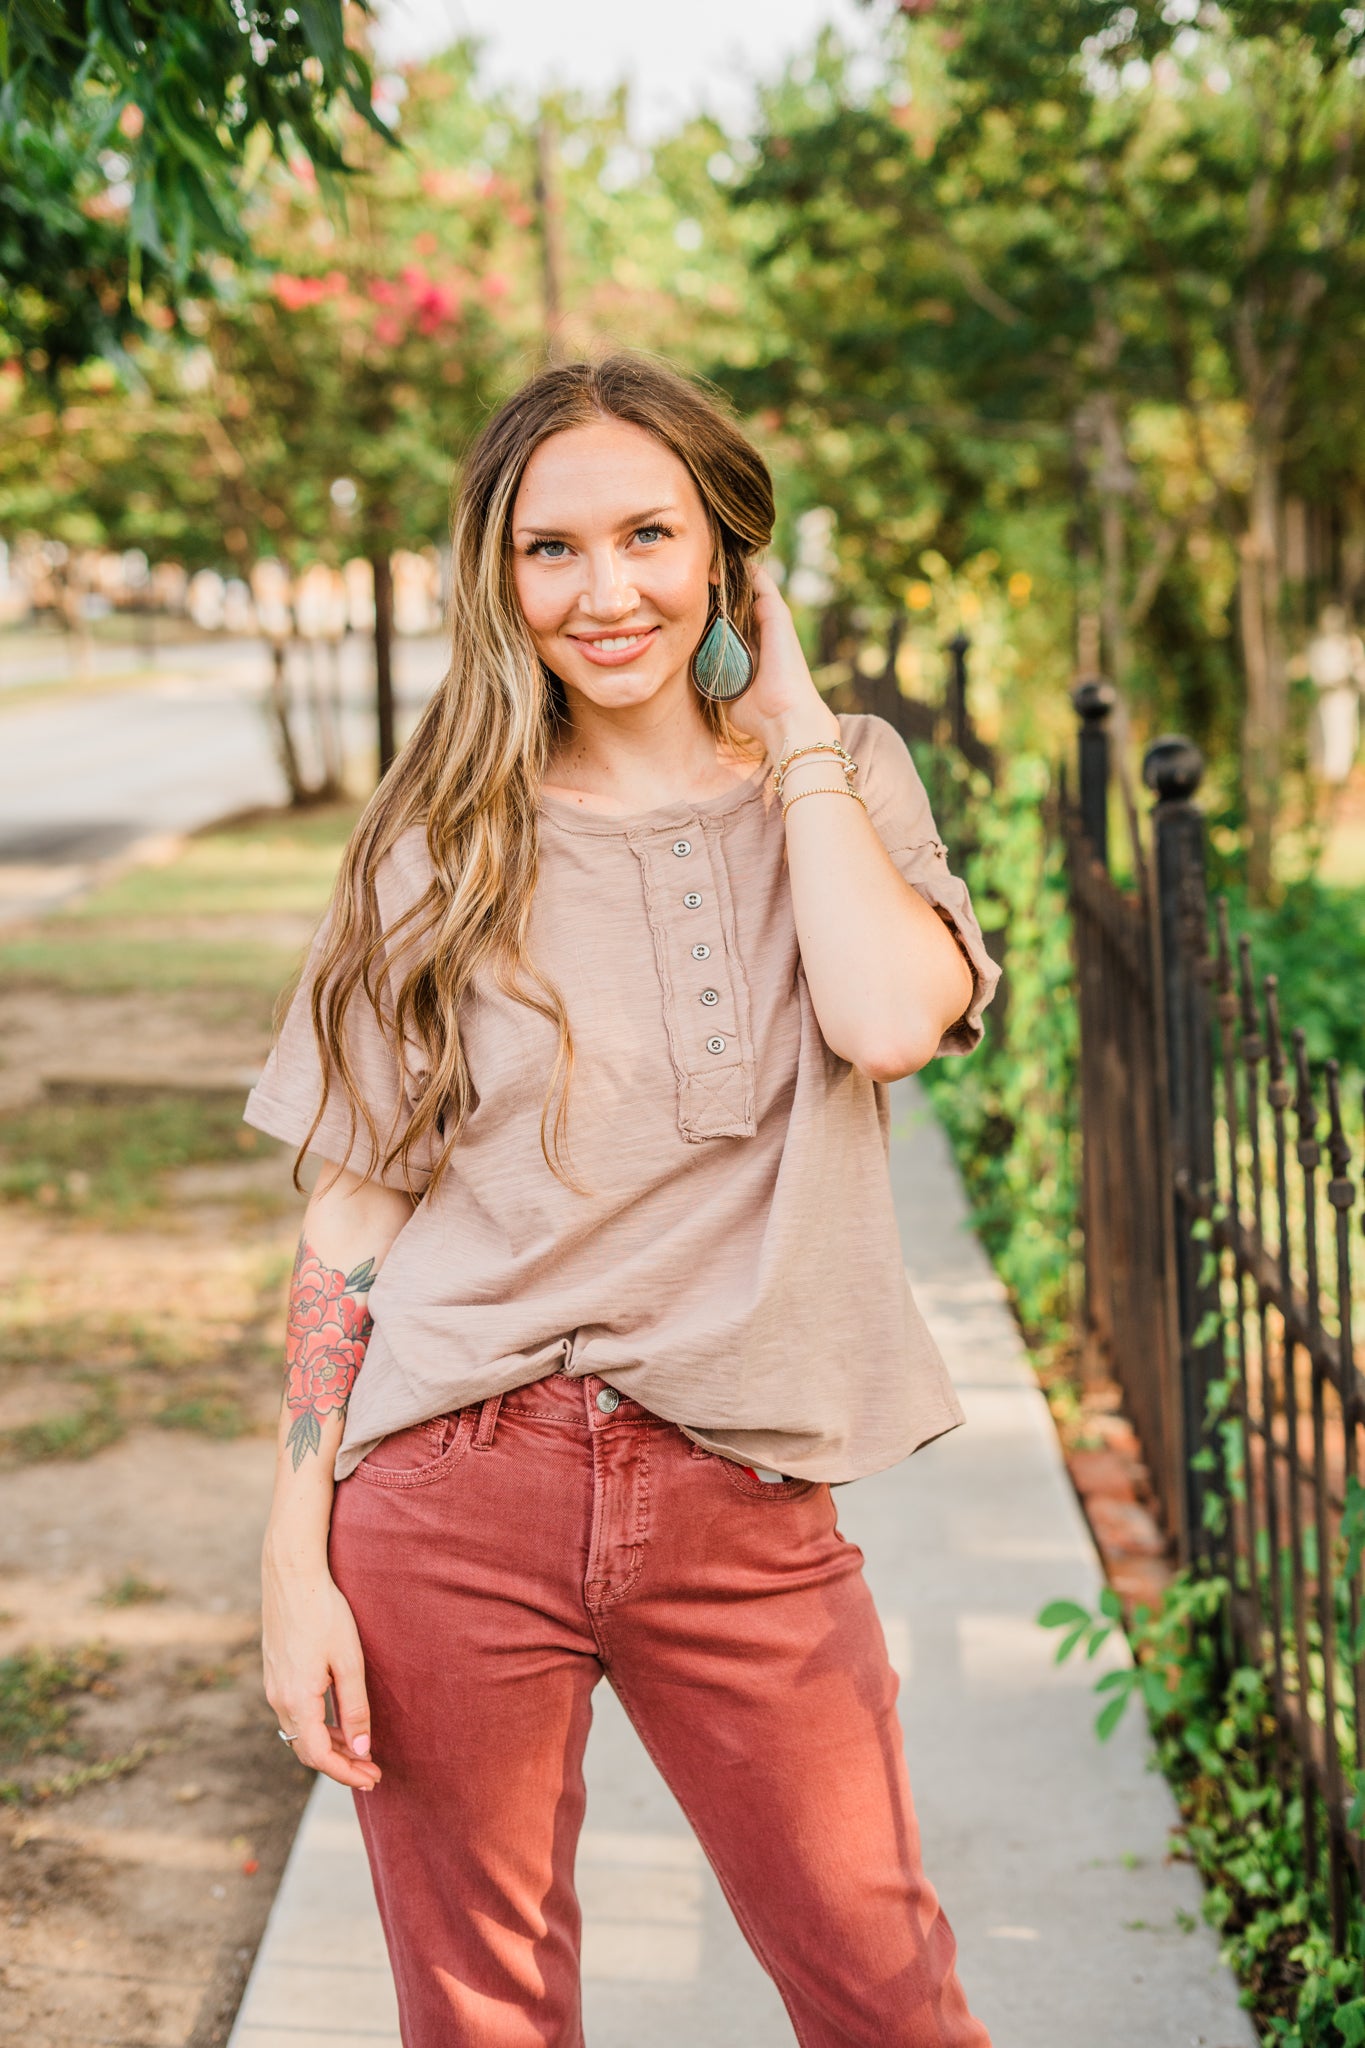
pixel 131 134
pixel 1086 259
pixel 315 406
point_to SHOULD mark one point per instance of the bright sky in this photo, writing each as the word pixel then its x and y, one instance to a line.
pixel 703 54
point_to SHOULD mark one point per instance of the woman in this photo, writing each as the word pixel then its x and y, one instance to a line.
pixel 594 1044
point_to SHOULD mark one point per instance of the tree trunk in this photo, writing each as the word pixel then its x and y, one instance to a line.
pixel 322 716
pixel 1265 719
pixel 1115 482
pixel 335 752
pixel 548 211
pixel 1085 614
pixel 299 792
pixel 382 566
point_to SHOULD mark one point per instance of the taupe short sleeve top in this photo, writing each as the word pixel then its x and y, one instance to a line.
pixel 735 1263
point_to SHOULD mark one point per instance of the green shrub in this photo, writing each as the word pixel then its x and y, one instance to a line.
pixel 1009 1109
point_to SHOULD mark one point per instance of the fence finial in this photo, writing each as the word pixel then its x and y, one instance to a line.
pixel 1173 768
pixel 1093 700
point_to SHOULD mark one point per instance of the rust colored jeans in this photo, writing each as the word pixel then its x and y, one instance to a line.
pixel 498 1562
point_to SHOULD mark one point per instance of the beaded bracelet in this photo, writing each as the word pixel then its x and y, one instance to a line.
pixel 850 766
pixel 822 789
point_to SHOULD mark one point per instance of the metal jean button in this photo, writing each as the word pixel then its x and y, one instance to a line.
pixel 608 1400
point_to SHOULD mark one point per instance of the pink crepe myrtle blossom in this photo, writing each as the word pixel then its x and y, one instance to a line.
pixel 294 293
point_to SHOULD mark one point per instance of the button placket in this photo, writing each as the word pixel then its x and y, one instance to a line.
pixel 715 1081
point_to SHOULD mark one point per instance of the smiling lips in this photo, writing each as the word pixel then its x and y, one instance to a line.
pixel 614 650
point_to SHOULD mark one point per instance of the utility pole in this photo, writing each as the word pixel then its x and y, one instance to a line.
pixel 550 219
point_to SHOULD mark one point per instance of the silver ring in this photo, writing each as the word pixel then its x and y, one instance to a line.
pixel 285 1738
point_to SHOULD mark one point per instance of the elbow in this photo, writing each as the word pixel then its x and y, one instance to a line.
pixel 895 1056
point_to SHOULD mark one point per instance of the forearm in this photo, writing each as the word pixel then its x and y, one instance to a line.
pixel 886 977
pixel 348 1229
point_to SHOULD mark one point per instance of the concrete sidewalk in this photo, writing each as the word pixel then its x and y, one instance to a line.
pixel 1048 1849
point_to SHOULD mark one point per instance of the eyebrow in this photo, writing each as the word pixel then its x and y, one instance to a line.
pixel 565 533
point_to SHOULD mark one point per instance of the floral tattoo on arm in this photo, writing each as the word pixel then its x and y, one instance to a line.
pixel 324 1347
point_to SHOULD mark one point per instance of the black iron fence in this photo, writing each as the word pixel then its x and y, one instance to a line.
pixel 1218 1203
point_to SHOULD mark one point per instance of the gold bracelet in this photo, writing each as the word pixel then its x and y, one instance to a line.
pixel 850 766
pixel 824 789
pixel 816 747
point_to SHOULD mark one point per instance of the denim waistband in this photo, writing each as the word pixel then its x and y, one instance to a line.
pixel 579 1399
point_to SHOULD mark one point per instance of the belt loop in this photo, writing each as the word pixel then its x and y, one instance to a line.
pixel 487 1423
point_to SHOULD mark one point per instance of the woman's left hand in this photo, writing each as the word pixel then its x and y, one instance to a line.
pixel 782 706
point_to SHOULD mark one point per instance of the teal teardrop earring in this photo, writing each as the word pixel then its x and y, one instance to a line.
pixel 722 667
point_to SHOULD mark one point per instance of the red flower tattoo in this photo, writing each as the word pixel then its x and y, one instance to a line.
pixel 324 1347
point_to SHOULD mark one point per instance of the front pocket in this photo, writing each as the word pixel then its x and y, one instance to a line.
pixel 757 1489
pixel 423 1452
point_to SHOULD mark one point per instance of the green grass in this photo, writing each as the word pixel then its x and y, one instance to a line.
pixel 117 963
pixel 74 1433
pixel 14 1792
pixel 39 1690
pixel 210 919
pixel 118 1342
pixel 108 1160
pixel 106 1374
pixel 132 1590
pixel 208 1414
pixel 227 919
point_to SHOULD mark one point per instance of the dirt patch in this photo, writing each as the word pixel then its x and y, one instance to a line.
pixel 189 1034
pixel 141 1842
pixel 146 1806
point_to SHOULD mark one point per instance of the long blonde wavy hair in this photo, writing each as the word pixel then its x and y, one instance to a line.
pixel 472 772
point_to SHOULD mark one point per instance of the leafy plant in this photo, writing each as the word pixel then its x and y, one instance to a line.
pixel 1009 1109
pixel 130 136
pixel 1213 1725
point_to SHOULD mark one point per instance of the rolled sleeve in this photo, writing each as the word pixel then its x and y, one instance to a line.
pixel 898 806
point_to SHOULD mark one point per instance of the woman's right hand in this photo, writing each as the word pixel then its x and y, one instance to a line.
pixel 310 1642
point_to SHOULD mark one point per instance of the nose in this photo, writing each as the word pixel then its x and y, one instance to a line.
pixel 609 593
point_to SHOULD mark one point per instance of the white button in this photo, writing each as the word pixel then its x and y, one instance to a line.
pixel 608 1399
pixel 708 996
pixel 692 900
pixel 682 846
pixel 715 1045
pixel 701 952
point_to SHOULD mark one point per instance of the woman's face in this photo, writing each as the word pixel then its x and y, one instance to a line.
pixel 612 554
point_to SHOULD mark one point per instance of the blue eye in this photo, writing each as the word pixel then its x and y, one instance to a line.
pixel 653 533
pixel 543 547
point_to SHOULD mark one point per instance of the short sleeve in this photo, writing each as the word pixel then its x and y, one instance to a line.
pixel 285 1100
pixel 898 806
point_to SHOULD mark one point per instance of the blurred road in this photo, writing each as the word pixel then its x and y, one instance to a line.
pixel 90 773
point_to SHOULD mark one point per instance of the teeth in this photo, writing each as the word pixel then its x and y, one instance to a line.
pixel 615 646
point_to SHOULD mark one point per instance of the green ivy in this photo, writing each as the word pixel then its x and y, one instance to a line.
pixel 1010 1110
pixel 1313 939
pixel 1214 1730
